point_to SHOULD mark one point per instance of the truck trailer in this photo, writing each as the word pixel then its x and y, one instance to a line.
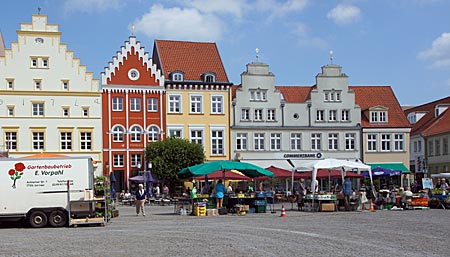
pixel 37 190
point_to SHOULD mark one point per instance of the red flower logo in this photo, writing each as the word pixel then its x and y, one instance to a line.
pixel 16 173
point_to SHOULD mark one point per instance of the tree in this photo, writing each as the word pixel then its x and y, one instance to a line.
pixel 171 155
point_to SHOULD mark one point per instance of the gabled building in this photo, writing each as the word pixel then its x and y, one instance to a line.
pixel 430 137
pixel 134 107
pixel 50 103
pixel 286 126
pixel 197 89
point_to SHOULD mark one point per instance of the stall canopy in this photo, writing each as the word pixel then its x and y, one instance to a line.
pixel 207 168
pixel 441 175
pixel 382 172
pixel 329 174
pixel 279 173
pixel 397 166
pixel 229 175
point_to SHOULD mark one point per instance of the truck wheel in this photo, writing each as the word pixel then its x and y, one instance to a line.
pixel 38 219
pixel 57 218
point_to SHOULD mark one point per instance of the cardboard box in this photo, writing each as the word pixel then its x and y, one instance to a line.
pixel 246 207
pixel 327 207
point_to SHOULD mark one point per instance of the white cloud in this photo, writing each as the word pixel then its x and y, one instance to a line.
pixel 277 8
pixel 180 24
pixel 91 6
pixel 344 14
pixel 234 7
pixel 304 38
pixel 439 52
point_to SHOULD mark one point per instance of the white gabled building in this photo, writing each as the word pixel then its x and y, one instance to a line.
pixel 49 103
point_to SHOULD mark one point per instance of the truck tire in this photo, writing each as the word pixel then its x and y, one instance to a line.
pixel 57 218
pixel 38 219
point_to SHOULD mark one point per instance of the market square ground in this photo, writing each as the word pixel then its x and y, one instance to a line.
pixel 161 233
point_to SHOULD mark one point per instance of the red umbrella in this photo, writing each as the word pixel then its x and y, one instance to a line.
pixel 280 173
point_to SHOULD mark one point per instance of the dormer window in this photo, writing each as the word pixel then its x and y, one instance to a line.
pixel 378 116
pixel 209 77
pixel 177 76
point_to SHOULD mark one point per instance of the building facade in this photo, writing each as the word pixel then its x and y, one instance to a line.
pixel 197 89
pixel 133 97
pixel 50 103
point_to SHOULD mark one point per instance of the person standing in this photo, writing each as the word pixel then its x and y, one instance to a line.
pixel 165 191
pixel 220 193
pixel 301 194
pixel 140 200
pixel 347 192
pixel 230 188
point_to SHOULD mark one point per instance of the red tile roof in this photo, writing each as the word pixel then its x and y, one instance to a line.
pixel 429 124
pixel 193 58
pixel 372 96
pixel 295 94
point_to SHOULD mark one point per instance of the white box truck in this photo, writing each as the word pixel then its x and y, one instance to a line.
pixel 36 189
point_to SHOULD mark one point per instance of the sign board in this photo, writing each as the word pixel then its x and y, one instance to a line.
pixel 427 183
pixel 301 155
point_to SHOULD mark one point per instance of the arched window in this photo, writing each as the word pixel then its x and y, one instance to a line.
pixel 209 77
pixel 118 132
pixel 153 133
pixel 136 133
pixel 177 76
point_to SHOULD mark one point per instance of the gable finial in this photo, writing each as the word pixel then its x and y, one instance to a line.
pixel 39 10
pixel 331 56
pixel 257 54
pixel 133 28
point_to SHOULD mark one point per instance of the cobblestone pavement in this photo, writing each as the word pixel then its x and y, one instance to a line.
pixel 161 233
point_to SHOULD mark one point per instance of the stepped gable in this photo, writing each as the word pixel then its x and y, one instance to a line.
pixel 192 58
pixel 132 55
pixel 376 96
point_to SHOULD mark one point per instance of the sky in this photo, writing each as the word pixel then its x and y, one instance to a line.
pixel 401 43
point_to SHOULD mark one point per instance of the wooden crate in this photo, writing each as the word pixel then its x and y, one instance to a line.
pixel 327 207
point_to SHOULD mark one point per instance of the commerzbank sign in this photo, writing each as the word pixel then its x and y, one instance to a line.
pixel 302 155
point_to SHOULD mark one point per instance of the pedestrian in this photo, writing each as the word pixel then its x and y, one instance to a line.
pixel 301 194
pixel 348 191
pixel 140 200
pixel 220 193
pixel 165 191
pixel 230 188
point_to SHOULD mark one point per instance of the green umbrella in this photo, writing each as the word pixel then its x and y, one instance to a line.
pixel 206 168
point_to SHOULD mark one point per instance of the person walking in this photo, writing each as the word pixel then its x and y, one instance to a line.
pixel 301 194
pixel 347 192
pixel 140 200
pixel 220 193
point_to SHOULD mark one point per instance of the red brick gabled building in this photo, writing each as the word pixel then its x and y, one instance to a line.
pixel 133 98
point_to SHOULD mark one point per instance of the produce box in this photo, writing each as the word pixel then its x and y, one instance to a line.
pixel 260 202
pixel 212 212
pixel 202 196
pixel 260 209
pixel 246 207
pixel 327 207
pixel 240 196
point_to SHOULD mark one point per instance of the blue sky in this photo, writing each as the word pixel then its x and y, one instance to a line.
pixel 401 43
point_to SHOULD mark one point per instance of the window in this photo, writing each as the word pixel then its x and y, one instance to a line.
pixel 65 85
pixel 258 115
pixel 175 132
pixel 216 104
pixel 174 104
pixel 66 141
pixel 217 140
pixel 10 111
pixel 196 104
pixel 419 146
pixel 136 133
pixel 372 142
pixel 136 160
pixel 65 111
pixel 245 114
pixel 259 141
pixel 37 84
pixel 326 97
pixel 374 116
pixel 415 146
pixel 399 142
pixel 152 104
pixel 296 141
pixel 117 104
pixel 385 142
pixel 86 141
pixel 430 148
pixel 315 141
pixel 378 116
pixel 135 104
pixel 258 95
pixel 209 78
pixel 437 147
pixel 345 115
pixel 333 141
pixel 177 76
pixel 118 132
pixel 85 111
pixel 271 115
pixel 275 141
pixel 38 109
pixel 10 84
pixel 320 115
pixel 338 96
pixel 118 160
pixel 350 141
pixel 241 141
pixel 445 146
pixel 11 141
pixel 44 62
pixel 38 140
pixel 153 133
pixel 332 115
pixel 197 136
pixel 34 62
pixel 332 96
pixel 383 117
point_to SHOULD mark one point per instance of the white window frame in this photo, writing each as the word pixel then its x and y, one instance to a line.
pixel 175 103
pixel 399 142
pixel 135 134
pixel 296 141
pixel 177 76
pixel 333 141
pixel 136 160
pixel 86 140
pixel 117 104
pixel 196 104
pixel 118 160
pixel 65 138
pixel 38 109
pixel 372 142
pixel 320 115
pixel 175 131
pixel 217 104
pixel 135 104
pixel 153 134
pixel 241 141
pixel 382 116
pixel 345 115
pixel 11 111
pixel 316 141
pixel 118 133
pixel 11 140
pixel 152 104
pixel 196 135
pixel 245 114
pixel 385 141
pixel 350 140
pixel 275 141
pixel 258 139
pixel 258 115
pixel 38 140
pixel 217 141
pixel 271 114
pixel 332 115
